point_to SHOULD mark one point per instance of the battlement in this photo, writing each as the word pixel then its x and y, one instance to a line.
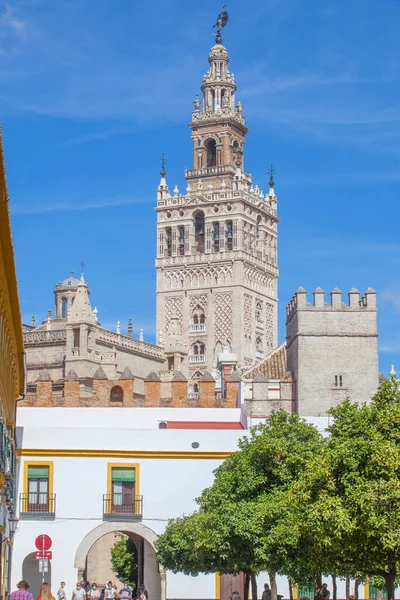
pixel 367 302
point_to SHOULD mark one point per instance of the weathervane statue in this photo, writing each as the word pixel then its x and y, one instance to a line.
pixel 222 20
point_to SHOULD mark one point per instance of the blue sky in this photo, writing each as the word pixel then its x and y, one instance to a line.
pixel 93 91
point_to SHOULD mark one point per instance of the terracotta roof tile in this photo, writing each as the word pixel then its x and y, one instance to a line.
pixel 274 366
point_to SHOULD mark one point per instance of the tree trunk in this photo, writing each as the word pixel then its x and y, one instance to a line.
pixel 356 584
pixel 246 586
pixel 272 585
pixel 290 589
pixel 389 579
pixel 347 588
pixel 253 581
pixel 334 588
pixel 317 583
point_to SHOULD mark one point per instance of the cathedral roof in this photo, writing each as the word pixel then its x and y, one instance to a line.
pixel 274 366
pixel 70 282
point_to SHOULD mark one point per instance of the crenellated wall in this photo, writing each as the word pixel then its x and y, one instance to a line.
pixel 332 348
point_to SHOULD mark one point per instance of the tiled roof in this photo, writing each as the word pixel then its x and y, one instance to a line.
pixel 274 366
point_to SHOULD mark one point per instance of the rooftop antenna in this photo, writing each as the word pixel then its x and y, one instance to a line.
pixel 82 267
pixel 222 20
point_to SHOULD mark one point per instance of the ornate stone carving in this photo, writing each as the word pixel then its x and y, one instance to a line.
pixel 248 317
pixel 223 317
pixel 173 309
pixel 269 326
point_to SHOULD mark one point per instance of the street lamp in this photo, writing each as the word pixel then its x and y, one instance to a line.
pixel 13 523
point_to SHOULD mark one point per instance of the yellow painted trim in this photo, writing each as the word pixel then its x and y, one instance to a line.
pixel 295 591
pixel 122 453
pixel 111 466
pixel 217 586
pixel 366 591
pixel 36 463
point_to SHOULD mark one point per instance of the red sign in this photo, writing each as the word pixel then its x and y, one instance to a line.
pixel 44 554
pixel 43 542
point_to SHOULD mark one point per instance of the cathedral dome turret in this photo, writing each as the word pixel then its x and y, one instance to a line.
pixel 65 292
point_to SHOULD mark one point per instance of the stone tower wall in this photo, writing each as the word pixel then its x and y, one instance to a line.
pixel 332 349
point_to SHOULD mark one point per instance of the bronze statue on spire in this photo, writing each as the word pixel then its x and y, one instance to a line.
pixel 222 20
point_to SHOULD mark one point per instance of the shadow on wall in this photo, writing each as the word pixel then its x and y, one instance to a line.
pixel 31 573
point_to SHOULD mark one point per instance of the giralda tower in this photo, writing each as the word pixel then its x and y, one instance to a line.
pixel 217 243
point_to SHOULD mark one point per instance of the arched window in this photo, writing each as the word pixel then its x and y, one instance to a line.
pixel 211 146
pixel 64 308
pixel 198 320
pixel 116 394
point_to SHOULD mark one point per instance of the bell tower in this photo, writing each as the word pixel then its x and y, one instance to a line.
pixel 217 243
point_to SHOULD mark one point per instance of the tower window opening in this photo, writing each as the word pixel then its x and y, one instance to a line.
pixel 64 308
pixel 216 236
pixel 229 235
pixel 199 226
pixel 338 381
pixel 211 146
pixel 181 240
pixel 223 98
pixel 168 235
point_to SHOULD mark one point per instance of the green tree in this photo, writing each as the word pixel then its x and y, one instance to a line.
pixel 346 507
pixel 124 561
pixel 238 526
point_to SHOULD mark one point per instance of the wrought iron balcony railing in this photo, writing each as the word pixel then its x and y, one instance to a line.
pixel 122 506
pixel 37 505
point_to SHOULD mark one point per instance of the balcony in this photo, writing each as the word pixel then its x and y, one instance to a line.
pixel 196 359
pixel 198 328
pixel 41 506
pixel 194 395
pixel 125 507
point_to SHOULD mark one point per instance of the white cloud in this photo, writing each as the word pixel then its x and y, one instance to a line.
pixel 32 208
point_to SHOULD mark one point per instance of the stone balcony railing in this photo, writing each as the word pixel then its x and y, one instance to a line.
pixel 45 337
pixel 197 328
pixel 220 170
pixel 197 358
pixel 118 340
pixel 193 395
pixel 219 194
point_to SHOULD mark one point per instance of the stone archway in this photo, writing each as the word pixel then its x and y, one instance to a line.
pixel 138 528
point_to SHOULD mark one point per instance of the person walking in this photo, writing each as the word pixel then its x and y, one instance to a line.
pixel 22 592
pixel 61 594
pixel 45 592
pixel 266 595
pixel 79 592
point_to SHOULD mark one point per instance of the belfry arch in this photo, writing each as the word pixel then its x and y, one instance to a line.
pixel 138 529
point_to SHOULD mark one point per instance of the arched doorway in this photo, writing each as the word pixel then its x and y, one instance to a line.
pixel 153 576
pixel 31 573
